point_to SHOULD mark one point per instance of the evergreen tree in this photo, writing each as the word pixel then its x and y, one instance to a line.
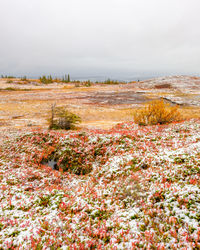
pixel 68 78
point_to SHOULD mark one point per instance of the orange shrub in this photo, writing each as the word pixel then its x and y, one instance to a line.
pixel 156 112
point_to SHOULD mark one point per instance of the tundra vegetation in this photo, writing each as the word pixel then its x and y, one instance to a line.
pixel 62 118
pixel 128 187
pixel 157 112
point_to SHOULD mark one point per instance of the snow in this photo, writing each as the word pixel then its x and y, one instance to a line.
pixel 119 204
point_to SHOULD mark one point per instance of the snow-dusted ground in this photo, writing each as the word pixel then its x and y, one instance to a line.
pixel 143 190
pixel 183 83
pixel 181 90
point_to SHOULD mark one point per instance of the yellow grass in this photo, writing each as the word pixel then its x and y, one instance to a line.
pixel 18 112
pixel 190 112
pixel 80 89
pixel 32 110
pixel 94 114
pixel 174 94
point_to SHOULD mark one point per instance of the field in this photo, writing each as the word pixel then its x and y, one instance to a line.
pixel 27 103
pixel 125 186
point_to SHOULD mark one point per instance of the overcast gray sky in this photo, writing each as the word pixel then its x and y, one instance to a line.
pixel 114 38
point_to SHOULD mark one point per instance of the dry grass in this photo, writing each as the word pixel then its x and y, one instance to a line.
pixel 19 109
pixel 108 114
pixel 190 112
pixel 153 95
pixel 33 112
pixel 170 93
pixel 79 89
pixel 36 112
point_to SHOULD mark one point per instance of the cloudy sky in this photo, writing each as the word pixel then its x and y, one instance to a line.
pixel 112 38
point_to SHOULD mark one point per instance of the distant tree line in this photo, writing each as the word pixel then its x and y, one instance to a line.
pixel 49 79
pixel 46 79
pixel 7 76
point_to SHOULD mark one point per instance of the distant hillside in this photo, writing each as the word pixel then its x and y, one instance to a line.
pixel 182 83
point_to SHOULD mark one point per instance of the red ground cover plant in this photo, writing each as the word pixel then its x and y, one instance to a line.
pixel 127 188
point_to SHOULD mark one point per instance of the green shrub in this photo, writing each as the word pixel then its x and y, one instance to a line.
pixel 61 118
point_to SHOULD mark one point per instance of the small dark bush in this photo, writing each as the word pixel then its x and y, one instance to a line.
pixel 61 118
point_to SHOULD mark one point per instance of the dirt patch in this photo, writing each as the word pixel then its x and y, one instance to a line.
pixel 115 98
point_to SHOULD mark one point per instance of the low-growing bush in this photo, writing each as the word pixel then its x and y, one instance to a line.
pixel 9 81
pixel 156 112
pixel 61 118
